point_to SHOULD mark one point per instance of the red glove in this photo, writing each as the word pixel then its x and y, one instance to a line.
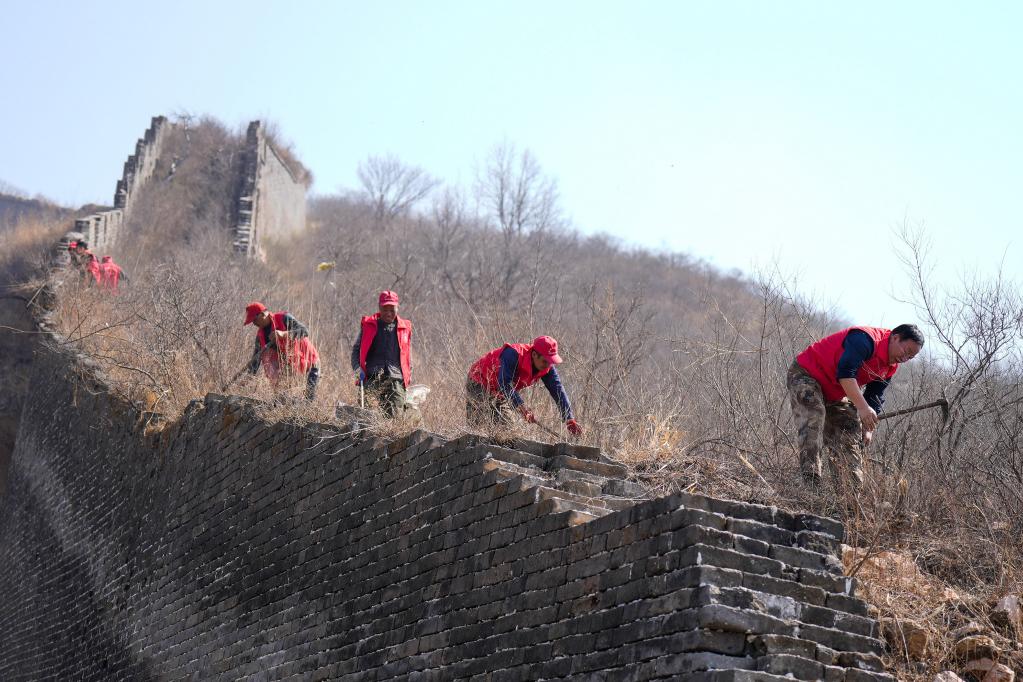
pixel 527 415
pixel 574 428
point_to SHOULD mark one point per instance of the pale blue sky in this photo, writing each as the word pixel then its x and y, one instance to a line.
pixel 739 132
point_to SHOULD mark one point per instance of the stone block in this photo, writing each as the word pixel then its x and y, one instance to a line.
pixel 585 466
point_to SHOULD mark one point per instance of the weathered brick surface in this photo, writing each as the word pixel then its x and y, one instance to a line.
pixel 225 547
pixel 102 229
pixel 270 199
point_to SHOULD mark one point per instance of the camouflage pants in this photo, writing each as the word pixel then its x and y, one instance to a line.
pixel 389 394
pixel 821 424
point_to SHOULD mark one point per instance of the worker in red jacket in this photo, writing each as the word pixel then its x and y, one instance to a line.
pixel 836 387
pixel 382 356
pixel 282 347
pixel 492 388
pixel 85 261
pixel 111 274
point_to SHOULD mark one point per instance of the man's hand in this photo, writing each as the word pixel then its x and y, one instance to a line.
pixel 867 437
pixel 868 418
pixel 574 428
pixel 526 414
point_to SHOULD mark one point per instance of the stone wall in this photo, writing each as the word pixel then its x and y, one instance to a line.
pixel 225 546
pixel 101 229
pixel 271 199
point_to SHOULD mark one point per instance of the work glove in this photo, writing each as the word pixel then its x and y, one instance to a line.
pixel 360 377
pixel 527 415
pixel 574 428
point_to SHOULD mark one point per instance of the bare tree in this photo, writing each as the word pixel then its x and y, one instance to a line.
pixel 393 188
pixel 515 193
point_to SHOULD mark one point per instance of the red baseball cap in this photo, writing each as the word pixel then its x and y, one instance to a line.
pixel 388 298
pixel 252 311
pixel 547 346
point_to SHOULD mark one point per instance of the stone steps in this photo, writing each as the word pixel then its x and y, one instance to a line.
pixel 566 477
pixel 761 589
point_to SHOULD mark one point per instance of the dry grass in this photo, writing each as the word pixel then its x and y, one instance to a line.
pixel 674 368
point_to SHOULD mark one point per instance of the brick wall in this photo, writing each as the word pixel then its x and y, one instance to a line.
pixel 102 228
pixel 271 198
pixel 227 547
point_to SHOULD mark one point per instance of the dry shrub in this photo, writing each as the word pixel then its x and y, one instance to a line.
pixel 674 368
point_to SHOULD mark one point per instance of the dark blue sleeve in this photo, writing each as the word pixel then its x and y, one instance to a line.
pixel 857 349
pixel 357 352
pixel 874 394
pixel 295 328
pixel 506 376
pixel 553 383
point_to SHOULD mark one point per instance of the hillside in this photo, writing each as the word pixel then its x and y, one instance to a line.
pixel 675 369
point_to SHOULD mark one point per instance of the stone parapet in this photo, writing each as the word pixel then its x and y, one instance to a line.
pixel 270 201
pixel 101 229
pixel 225 546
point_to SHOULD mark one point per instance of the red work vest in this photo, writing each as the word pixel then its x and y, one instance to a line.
pixel 820 360
pixel 485 370
pixel 297 355
pixel 111 273
pixel 369 332
pixel 92 267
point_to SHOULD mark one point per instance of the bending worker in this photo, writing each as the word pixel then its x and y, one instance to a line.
pixel 85 260
pixel 495 380
pixel 837 386
pixel 111 274
pixel 282 347
pixel 382 355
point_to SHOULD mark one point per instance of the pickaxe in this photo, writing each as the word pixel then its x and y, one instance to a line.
pixel 940 402
pixel 551 431
pixel 259 351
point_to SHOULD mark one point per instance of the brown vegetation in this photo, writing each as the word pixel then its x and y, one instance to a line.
pixel 674 367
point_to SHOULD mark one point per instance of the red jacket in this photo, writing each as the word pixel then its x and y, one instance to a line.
pixel 820 360
pixel 369 332
pixel 110 273
pixel 298 355
pixel 92 267
pixel 485 370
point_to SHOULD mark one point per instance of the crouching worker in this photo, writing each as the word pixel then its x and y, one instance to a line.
pixel 85 261
pixel 382 356
pixel 836 387
pixel 282 347
pixel 494 382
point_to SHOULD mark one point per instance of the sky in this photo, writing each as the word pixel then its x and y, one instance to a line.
pixel 752 135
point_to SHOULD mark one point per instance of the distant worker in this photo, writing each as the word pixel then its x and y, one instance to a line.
pixel 282 347
pixel 495 380
pixel 382 356
pixel 85 261
pixel 836 387
pixel 111 274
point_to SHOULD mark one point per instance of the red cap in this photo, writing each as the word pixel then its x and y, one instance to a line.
pixel 71 246
pixel 388 298
pixel 252 311
pixel 547 346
